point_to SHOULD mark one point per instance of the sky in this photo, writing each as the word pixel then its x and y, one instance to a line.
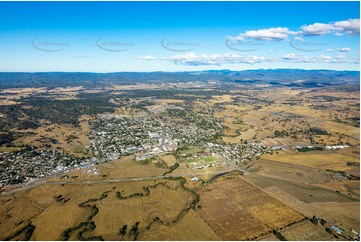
pixel 178 36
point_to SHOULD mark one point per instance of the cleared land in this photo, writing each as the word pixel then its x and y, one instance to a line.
pixel 307 232
pixel 279 190
pixel 320 160
pixel 169 159
pixel 55 209
pixel 288 171
pixel 304 192
pixel 246 213
pixel 345 214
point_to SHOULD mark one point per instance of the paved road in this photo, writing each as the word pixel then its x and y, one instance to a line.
pixel 40 183
pixel 234 166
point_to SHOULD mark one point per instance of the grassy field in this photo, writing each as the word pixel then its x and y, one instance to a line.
pixel 316 199
pixel 307 232
pixel 71 139
pixel 291 201
pixel 126 167
pixel 289 172
pixel 312 200
pixel 9 149
pixel 221 99
pixel 16 211
pixel 246 213
pixel 345 187
pixel 246 135
pixel 53 209
pixel 280 190
pixel 169 159
pixel 347 214
pixel 270 237
pixel 302 191
pixel 191 228
pixel 209 158
pixel 321 160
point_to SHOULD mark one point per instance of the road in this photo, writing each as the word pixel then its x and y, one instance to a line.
pixel 234 166
pixel 45 182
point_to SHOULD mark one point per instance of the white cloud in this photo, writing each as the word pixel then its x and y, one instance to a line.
pixel 350 26
pixel 295 58
pixel 344 49
pixel 192 59
pixel 340 28
pixel 316 29
pixel 268 34
pixel 292 56
pixel 325 57
pixel 329 50
pixel 234 38
pixel 340 56
pixel 278 33
pixel 339 34
pixel 147 57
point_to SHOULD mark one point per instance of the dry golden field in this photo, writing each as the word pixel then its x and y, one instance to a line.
pixel 320 160
pixel 345 214
pixel 71 139
pixel 52 209
pixel 307 232
pixel 126 167
pixel 169 159
pixel 246 213
pixel 276 193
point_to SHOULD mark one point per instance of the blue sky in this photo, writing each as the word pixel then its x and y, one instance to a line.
pixel 178 36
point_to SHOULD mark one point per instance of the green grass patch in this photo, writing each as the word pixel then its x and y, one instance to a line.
pixel 9 149
pixel 209 159
pixel 190 160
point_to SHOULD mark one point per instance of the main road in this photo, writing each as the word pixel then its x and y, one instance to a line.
pixel 127 179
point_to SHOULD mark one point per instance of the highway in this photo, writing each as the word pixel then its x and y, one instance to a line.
pixel 127 179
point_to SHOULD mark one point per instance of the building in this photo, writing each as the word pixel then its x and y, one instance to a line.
pixel 194 179
pixel 338 230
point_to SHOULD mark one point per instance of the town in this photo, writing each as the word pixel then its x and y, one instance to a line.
pixel 29 164
pixel 113 136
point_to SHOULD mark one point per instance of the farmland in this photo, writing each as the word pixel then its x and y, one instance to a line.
pixel 191 159
pixel 247 206
pixel 322 160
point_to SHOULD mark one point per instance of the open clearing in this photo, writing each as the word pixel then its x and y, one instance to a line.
pixel 53 209
pixel 246 213
pixel 126 167
pixel 291 201
pixel 307 232
pixel 312 200
pixel 320 160
pixel 346 214
pixel 287 171
pixel 302 191
pixel 71 139
pixel 346 187
pixel 169 159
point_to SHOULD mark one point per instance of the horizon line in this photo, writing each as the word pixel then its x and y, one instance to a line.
pixel 206 70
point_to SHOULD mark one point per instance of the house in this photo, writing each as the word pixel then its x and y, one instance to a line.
pixel 193 179
pixel 338 230
pixel 59 168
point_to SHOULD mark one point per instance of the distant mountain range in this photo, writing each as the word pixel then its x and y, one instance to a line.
pixel 288 77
